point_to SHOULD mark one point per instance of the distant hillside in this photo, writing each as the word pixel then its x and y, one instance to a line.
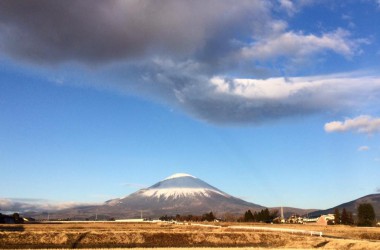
pixel 352 206
pixel 289 211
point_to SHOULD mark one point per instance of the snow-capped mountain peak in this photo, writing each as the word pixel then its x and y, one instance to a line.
pixel 180 185
pixel 179 175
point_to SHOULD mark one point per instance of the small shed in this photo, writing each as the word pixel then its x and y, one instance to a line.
pixel 324 219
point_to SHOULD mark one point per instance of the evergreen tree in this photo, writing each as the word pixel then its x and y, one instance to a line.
pixel 366 215
pixel 273 214
pixel 350 219
pixel 208 217
pixel 255 217
pixel 260 215
pixel 336 216
pixel 263 216
pixel 17 218
pixel 266 215
pixel 248 216
pixel 344 217
pixel 211 216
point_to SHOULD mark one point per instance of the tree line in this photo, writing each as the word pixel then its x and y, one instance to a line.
pixel 344 218
pixel 366 216
pixel 263 216
pixel 204 217
pixel 13 219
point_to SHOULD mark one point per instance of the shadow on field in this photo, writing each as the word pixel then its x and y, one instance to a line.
pixel 79 239
pixel 322 244
pixel 11 229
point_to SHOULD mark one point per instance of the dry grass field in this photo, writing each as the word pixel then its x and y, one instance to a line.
pixel 163 235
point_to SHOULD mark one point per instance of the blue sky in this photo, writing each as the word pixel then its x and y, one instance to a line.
pixel 275 102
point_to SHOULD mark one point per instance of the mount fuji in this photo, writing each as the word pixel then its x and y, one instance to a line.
pixel 174 188
pixel 180 194
pixel 177 194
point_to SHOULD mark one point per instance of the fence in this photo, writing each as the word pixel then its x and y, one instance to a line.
pixel 288 230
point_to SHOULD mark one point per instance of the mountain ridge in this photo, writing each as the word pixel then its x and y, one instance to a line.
pixel 351 206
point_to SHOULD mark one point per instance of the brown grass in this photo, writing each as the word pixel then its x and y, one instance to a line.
pixel 128 235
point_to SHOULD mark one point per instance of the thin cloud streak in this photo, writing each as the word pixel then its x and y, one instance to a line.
pixel 133 185
pixel 37 205
pixel 363 148
pixel 298 45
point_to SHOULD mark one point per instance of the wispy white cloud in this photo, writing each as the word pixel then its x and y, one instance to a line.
pixel 102 196
pixel 133 185
pixel 363 148
pixel 293 6
pixel 361 124
pixel 297 45
pixel 288 6
pixel 25 205
pixel 349 20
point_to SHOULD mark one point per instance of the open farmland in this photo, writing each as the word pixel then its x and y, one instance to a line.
pixel 145 235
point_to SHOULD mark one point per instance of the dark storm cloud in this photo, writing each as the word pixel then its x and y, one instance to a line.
pixel 95 31
pixel 191 54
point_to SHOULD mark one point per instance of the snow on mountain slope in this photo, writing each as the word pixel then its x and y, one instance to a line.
pixel 180 185
pixel 177 193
